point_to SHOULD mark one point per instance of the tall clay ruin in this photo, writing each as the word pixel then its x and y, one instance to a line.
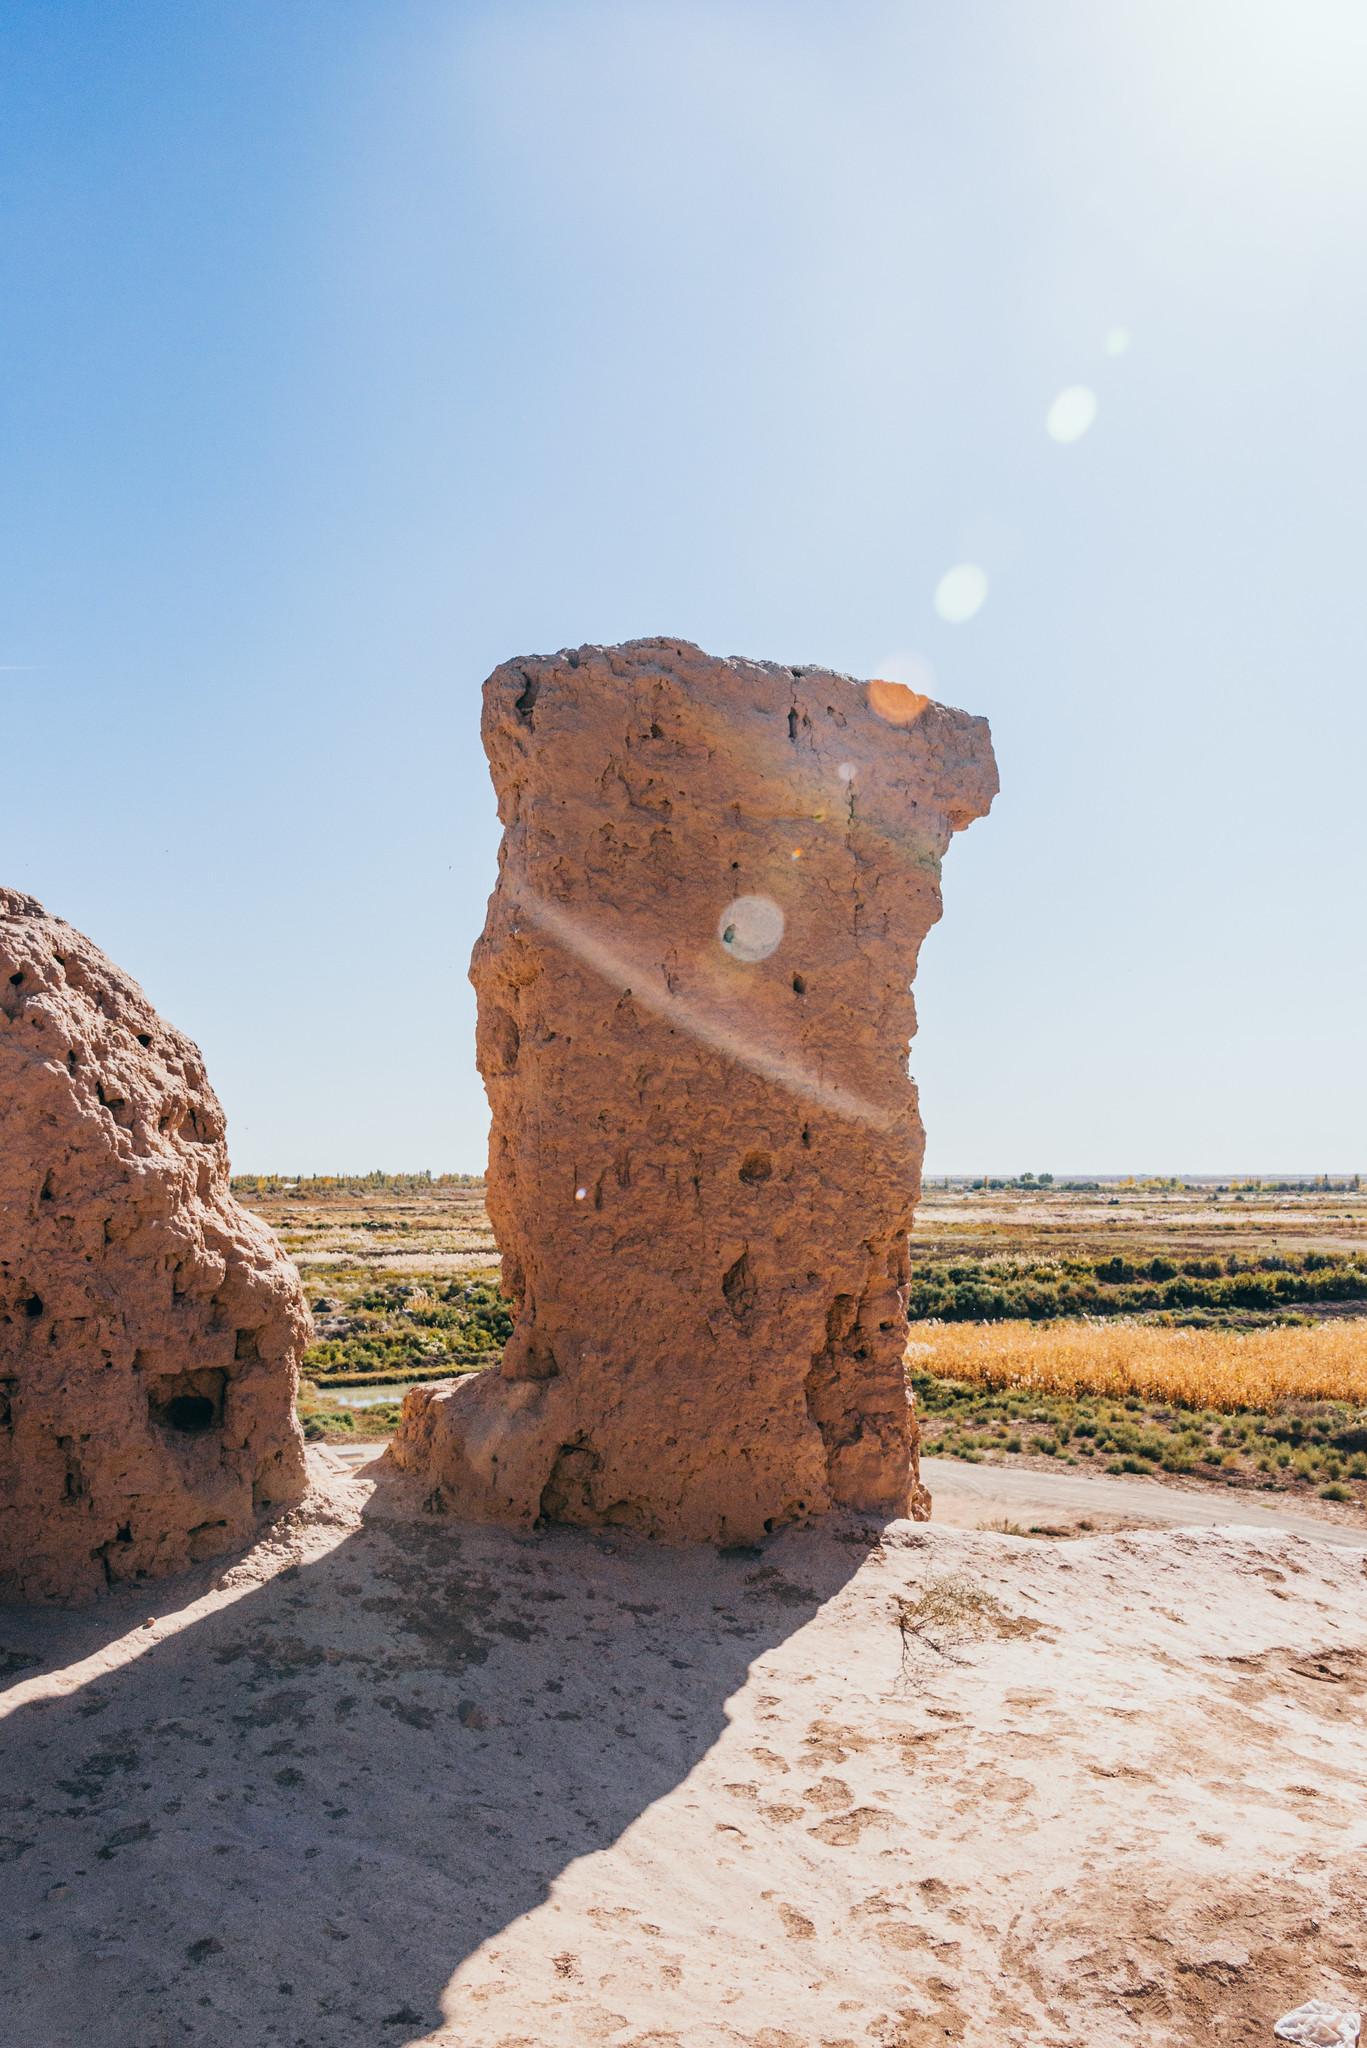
pixel 150 1328
pixel 694 1012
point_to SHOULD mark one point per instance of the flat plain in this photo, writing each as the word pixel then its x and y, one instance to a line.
pixel 1192 1332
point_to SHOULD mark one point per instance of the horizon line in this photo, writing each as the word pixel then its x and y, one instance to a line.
pixel 939 1173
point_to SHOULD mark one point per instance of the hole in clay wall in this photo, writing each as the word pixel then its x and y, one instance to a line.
pixel 738 1287
pixel 8 1389
pixel 187 1403
pixel 187 1412
pixel 841 1317
pixel 567 1495
pixel 799 985
pixel 117 1105
pixel 502 1039
pixel 74 1486
pixel 526 703
pixel 756 1167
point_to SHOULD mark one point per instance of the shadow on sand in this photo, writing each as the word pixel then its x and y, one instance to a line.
pixel 292 1820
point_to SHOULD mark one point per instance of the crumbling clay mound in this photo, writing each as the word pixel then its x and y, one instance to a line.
pixel 150 1328
pixel 694 1010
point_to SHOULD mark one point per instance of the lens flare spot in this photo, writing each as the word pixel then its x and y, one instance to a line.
pixel 895 703
pixel 1071 414
pixel 1117 341
pixel 846 771
pixel 750 928
pixel 581 1194
pixel 960 593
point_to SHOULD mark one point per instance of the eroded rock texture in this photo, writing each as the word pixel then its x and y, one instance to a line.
pixel 694 1009
pixel 150 1328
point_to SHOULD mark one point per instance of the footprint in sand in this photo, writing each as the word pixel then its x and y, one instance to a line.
pixel 826 1742
pixel 843 1830
pixel 828 1794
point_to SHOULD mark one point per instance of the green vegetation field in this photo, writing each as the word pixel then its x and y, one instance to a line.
pixel 1212 1332
pixel 401 1273
pixel 1220 1288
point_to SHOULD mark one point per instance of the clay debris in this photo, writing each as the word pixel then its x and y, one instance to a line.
pixel 150 1328
pixel 694 1010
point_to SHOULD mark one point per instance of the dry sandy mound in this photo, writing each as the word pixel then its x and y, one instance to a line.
pixel 395 1780
pixel 150 1326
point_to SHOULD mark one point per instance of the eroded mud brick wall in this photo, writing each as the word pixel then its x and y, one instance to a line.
pixel 694 1010
pixel 150 1328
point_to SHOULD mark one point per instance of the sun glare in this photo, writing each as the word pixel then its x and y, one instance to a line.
pixel 960 593
pixel 751 928
pixel 895 703
pixel 1071 414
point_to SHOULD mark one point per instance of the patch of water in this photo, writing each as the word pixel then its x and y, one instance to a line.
pixel 371 1397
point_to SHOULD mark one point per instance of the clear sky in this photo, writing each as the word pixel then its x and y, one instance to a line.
pixel 351 346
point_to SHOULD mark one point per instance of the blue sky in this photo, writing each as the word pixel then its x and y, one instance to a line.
pixel 348 349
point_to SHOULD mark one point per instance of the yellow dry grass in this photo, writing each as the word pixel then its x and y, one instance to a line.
pixel 1222 1369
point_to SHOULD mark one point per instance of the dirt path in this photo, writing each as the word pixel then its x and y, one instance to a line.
pixel 972 1496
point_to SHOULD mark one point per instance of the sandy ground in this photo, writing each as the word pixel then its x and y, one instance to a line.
pixel 972 1496
pixel 393 1780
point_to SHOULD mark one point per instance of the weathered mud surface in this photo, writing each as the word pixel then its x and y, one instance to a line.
pixel 694 1009
pixel 150 1328
pixel 392 1781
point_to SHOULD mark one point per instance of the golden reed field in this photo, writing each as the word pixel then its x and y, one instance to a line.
pixel 1213 1368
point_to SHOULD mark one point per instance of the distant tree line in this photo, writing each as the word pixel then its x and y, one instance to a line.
pixel 350 1183
pixel 992 1290
pixel 1308 1184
